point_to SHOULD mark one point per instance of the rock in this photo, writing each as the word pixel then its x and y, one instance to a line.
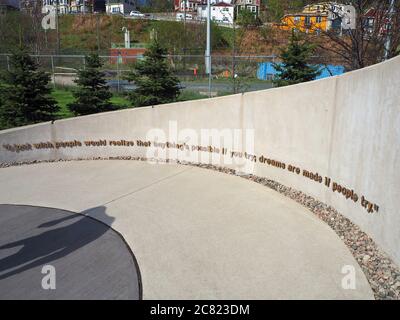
pixel 366 258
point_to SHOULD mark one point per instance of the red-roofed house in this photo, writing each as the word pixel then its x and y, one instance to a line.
pixel 377 21
pixel 221 11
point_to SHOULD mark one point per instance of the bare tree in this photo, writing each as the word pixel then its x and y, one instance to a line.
pixel 23 27
pixel 375 36
pixel 37 41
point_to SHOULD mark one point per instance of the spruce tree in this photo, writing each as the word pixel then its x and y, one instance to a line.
pixel 92 95
pixel 154 81
pixel 295 67
pixel 25 93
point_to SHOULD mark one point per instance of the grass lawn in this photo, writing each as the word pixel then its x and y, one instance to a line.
pixel 190 95
pixel 63 97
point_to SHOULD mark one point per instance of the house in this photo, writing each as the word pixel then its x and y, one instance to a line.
pixel 120 6
pixel 191 5
pixel 340 16
pixel 126 55
pixel 220 12
pixel 77 6
pixel 321 17
pixel 252 5
pixel 219 1
pixel 305 22
pixel 63 5
pixel 373 19
pixel 80 6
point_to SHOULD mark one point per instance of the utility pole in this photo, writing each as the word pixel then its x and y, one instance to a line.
pixel 184 12
pixel 234 54
pixel 184 34
pixel 389 30
pixel 97 33
pixel 208 48
pixel 58 29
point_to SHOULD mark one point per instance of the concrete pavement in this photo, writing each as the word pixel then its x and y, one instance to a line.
pixel 83 252
pixel 196 233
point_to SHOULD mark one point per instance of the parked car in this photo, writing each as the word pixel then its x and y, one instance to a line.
pixel 180 16
pixel 137 14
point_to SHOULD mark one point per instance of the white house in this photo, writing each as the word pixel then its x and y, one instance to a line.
pixel 340 16
pixel 192 5
pixel 346 14
pixel 120 6
pixel 219 1
pixel 220 12
pixel 63 5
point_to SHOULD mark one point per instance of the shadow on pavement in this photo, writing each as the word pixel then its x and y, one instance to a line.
pixel 75 232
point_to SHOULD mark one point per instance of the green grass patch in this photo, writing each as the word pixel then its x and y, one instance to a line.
pixel 64 96
pixel 121 101
pixel 187 95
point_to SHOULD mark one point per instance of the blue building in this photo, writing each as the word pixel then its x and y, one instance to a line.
pixel 266 71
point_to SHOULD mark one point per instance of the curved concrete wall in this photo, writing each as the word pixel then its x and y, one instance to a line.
pixel 336 139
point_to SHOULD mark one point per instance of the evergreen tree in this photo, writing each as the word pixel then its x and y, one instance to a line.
pixel 155 83
pixel 92 95
pixel 25 93
pixel 294 67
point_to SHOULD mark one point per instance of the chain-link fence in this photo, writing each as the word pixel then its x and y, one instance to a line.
pixel 230 74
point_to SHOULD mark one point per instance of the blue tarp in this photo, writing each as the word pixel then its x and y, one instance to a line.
pixel 266 71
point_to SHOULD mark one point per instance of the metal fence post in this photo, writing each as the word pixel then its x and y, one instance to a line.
pixel 118 75
pixel 273 61
pixel 8 63
pixel 52 70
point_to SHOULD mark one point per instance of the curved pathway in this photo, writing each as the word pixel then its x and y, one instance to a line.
pixel 196 233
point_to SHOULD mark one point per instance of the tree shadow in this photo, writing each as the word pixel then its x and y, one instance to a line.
pixel 77 231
